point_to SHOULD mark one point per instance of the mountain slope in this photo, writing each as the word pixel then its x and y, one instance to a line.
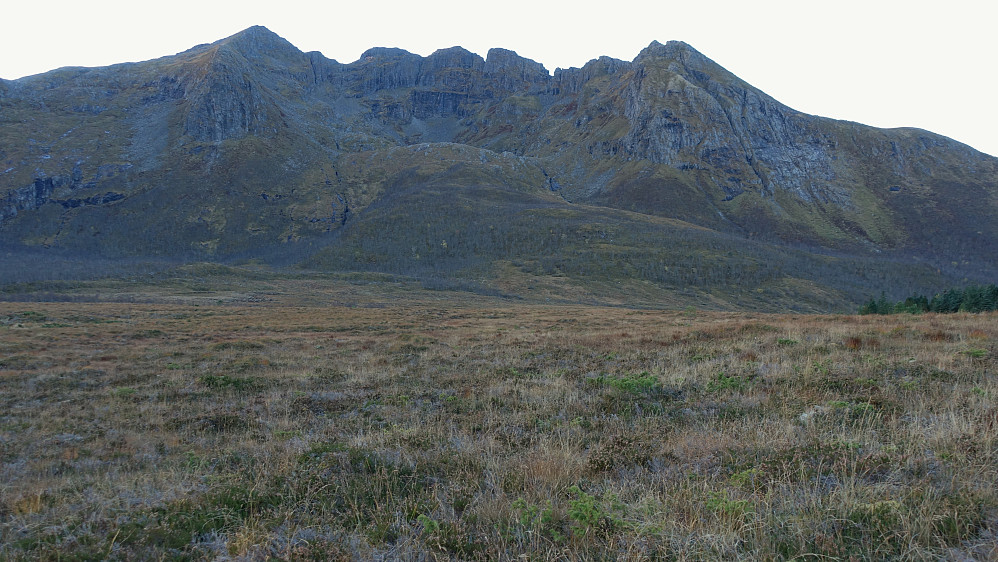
pixel 248 146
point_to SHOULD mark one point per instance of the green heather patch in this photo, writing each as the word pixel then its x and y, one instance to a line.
pixel 636 383
pixel 722 382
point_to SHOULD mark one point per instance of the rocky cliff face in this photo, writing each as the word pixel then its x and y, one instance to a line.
pixel 248 142
pixel 228 105
pixel 685 111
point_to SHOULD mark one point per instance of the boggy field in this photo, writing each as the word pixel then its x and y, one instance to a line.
pixel 420 430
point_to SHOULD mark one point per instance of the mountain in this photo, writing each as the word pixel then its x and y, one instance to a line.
pixel 666 171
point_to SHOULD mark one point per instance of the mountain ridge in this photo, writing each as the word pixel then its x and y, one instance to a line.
pixel 248 143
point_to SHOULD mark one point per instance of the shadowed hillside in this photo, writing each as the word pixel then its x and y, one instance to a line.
pixel 248 147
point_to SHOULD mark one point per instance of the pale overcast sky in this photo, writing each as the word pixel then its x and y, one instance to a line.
pixel 886 63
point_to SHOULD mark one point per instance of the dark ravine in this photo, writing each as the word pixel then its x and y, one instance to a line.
pixel 170 157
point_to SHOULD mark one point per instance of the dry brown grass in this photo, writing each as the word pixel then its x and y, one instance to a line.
pixel 441 430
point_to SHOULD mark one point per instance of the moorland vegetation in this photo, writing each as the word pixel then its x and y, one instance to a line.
pixel 362 419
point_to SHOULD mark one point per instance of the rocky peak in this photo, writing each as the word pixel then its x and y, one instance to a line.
pixel 252 32
pixel 386 68
pixel 454 57
pixel 323 69
pixel 228 97
pixel 513 72
pixel 451 70
pixel 680 58
pixel 259 41
pixel 605 65
pixel 499 60
pixel 570 80
pixel 672 50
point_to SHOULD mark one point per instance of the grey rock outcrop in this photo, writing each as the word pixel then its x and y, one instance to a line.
pixel 386 69
pixel 513 73
pixel 225 109
pixel 571 80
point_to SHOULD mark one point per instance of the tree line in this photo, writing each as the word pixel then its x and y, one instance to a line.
pixel 973 298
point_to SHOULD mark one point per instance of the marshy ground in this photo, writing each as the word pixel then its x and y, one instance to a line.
pixel 424 428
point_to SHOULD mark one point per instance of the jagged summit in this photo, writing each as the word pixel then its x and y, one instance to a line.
pixel 670 46
pixel 679 51
pixel 500 60
pixel 459 57
pixel 258 41
pixel 249 144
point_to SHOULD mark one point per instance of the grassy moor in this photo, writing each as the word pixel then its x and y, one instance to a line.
pixel 348 420
pixel 258 304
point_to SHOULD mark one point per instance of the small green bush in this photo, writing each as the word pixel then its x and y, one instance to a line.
pixel 225 381
pixel 634 384
pixel 724 382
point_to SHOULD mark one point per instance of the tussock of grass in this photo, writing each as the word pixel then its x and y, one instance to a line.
pixel 457 431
